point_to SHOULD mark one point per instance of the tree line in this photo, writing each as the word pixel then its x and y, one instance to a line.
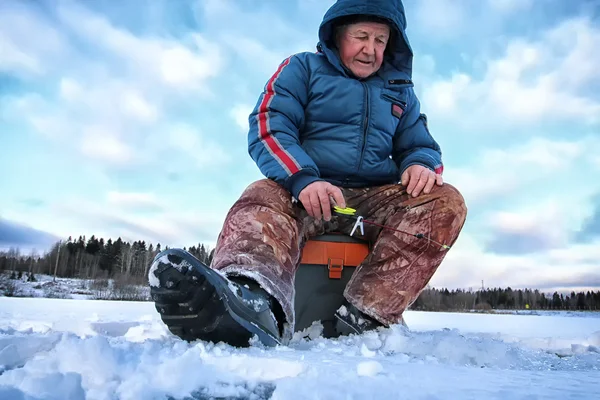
pixel 432 299
pixel 94 258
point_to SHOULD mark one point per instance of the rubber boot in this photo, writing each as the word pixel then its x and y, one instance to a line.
pixel 349 320
pixel 197 302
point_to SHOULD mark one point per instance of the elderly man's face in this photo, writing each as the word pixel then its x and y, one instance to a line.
pixel 361 47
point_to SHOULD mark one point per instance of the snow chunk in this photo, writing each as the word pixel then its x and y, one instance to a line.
pixel 366 352
pixel 369 368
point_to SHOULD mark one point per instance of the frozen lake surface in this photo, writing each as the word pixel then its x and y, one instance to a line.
pixel 90 349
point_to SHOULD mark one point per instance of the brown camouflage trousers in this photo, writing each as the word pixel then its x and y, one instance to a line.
pixel 264 233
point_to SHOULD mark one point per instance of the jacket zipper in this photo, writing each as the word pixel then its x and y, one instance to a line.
pixel 366 126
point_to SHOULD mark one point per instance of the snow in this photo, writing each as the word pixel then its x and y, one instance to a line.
pixel 369 368
pixel 152 278
pixel 72 288
pixel 164 259
pixel 46 286
pixel 93 349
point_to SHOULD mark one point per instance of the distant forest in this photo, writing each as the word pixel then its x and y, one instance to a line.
pixel 505 299
pixel 96 258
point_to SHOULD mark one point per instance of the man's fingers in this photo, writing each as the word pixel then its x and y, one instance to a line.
pixel 318 199
pixel 337 195
pixel 412 181
pixel 430 182
pixel 424 176
pixel 306 203
pixel 315 203
pixel 439 180
pixel 405 178
pixel 324 204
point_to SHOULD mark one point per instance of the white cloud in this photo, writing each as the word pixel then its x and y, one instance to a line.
pixel 44 117
pixel 30 45
pixel 510 6
pixel 547 221
pixel 105 146
pixel 133 200
pixel 93 100
pixel 500 171
pixel 183 69
pixel 138 107
pixel 534 81
pixel 14 59
pixel 240 114
pixel 126 215
pixel 184 65
pixel 443 19
pixel 191 142
pixel 261 37
pixel 444 96
pixel 595 161
pixel 467 264
pixel 423 65
pixel 169 225
pixel 70 90
pixel 254 53
pixel 110 98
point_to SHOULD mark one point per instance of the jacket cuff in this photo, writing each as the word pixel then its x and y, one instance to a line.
pixel 295 183
pixel 419 159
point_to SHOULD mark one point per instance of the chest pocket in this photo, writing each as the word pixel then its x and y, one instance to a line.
pixel 394 104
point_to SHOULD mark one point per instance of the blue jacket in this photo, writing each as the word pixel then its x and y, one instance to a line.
pixel 316 121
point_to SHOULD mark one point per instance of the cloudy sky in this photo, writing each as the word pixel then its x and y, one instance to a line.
pixel 130 119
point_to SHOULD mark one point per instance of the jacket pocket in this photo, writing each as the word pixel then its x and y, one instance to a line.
pixel 394 97
pixel 398 100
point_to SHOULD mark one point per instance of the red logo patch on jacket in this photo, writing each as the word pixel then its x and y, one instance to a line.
pixel 397 111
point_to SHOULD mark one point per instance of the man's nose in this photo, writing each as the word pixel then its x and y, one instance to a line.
pixel 369 47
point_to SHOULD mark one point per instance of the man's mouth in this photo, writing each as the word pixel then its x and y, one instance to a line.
pixel 364 62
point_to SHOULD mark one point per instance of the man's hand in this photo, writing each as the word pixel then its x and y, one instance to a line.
pixel 316 199
pixel 418 177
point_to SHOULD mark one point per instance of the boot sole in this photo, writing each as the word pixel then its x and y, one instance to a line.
pixel 196 302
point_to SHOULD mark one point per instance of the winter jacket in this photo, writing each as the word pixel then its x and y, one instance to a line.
pixel 316 121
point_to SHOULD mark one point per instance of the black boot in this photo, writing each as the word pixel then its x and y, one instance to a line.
pixel 350 320
pixel 197 302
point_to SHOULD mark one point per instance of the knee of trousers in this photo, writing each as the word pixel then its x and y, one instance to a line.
pixel 265 192
pixel 454 200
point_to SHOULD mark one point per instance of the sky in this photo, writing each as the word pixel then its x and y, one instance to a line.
pixel 130 120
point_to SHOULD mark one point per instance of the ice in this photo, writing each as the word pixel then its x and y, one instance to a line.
pixel 92 349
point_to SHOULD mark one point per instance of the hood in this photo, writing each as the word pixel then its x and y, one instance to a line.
pixel 399 56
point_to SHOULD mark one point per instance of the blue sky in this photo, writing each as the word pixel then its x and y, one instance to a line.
pixel 130 120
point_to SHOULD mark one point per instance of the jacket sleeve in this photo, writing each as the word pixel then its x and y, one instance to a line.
pixel 413 144
pixel 275 125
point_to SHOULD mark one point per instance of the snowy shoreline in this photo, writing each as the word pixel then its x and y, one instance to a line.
pixel 88 289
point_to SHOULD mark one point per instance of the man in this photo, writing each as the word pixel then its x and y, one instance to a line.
pixel 340 127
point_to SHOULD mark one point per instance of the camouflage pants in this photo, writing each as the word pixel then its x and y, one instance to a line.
pixel 264 233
